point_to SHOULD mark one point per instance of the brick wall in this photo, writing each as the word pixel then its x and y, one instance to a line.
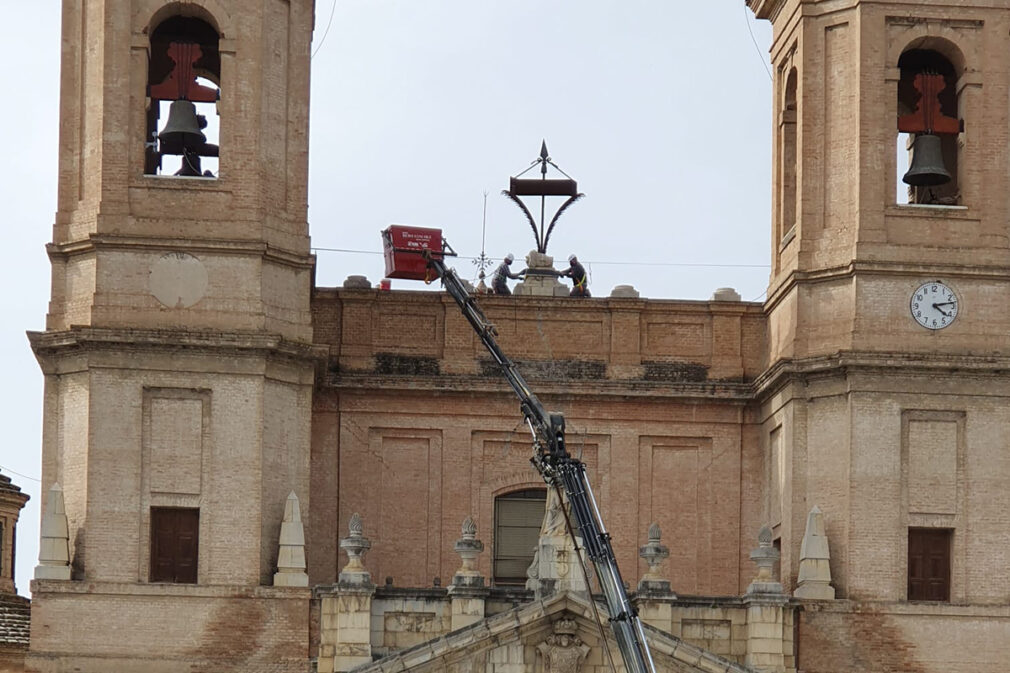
pixel 419 435
pixel 162 628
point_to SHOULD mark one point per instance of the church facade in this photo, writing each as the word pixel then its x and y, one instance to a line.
pixel 254 473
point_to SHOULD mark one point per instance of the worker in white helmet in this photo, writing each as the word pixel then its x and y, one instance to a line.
pixel 499 281
pixel 580 281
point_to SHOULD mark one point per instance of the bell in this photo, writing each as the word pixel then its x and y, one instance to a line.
pixel 927 167
pixel 182 130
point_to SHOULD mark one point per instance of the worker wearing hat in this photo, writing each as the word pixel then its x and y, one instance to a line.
pixel 499 281
pixel 580 281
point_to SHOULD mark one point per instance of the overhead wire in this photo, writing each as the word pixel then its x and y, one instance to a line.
pixel 326 32
pixel 609 263
pixel 750 29
pixel 25 476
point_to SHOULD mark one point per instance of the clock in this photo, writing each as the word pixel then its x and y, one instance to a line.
pixel 933 305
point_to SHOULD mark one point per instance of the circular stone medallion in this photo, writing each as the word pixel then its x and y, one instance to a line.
pixel 178 280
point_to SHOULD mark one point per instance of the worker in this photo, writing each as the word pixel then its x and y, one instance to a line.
pixel 580 281
pixel 499 281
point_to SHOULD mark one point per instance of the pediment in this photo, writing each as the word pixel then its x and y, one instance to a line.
pixel 529 639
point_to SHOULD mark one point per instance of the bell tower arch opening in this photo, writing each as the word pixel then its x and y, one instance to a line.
pixel 183 91
pixel 929 136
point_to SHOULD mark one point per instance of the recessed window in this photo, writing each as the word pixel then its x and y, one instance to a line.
pixel 929 564
pixel 789 159
pixel 517 520
pixel 174 544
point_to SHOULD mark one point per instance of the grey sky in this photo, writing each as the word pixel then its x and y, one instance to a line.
pixel 661 109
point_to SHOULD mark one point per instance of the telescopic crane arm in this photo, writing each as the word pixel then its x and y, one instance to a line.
pixel 561 471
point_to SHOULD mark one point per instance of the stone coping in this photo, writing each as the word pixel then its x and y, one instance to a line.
pixel 532 301
pixel 904 608
pixel 42 588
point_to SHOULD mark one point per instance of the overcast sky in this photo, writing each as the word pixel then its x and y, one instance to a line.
pixel 660 109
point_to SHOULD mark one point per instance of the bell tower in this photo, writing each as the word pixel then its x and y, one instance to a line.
pixel 178 353
pixel 888 340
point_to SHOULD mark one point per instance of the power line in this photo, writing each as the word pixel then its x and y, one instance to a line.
pixel 7 469
pixel 608 263
pixel 326 32
pixel 746 17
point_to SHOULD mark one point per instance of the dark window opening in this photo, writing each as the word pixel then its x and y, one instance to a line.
pixel 174 544
pixel 789 159
pixel 929 564
pixel 517 520
pixel 777 568
pixel 184 78
pixel 928 142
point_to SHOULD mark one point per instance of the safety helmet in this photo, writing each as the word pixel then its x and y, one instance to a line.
pixel 572 258
pixel 509 258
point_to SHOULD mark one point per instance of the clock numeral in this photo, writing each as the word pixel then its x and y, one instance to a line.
pixel 918 297
pixel 918 314
pixel 933 289
pixel 915 306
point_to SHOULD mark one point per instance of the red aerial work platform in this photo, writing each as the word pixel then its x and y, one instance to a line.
pixel 402 248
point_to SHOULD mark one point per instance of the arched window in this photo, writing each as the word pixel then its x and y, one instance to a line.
pixel 929 129
pixel 517 519
pixel 183 88
pixel 789 159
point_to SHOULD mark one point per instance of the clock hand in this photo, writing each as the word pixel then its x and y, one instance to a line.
pixel 945 303
pixel 937 307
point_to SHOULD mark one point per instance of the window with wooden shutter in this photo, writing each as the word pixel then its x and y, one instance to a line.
pixel 518 516
pixel 929 564
pixel 174 543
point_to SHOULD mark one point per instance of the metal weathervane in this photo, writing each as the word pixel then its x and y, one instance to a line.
pixel 483 261
pixel 543 187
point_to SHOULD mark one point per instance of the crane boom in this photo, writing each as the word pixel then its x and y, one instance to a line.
pixel 564 472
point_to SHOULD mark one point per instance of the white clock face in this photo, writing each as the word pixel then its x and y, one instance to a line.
pixel 934 305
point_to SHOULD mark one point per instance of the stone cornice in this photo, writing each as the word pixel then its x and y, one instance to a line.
pixel 61 251
pixel 734 392
pixel 766 9
pixel 796 278
pixel 913 364
pixel 141 591
pixel 84 339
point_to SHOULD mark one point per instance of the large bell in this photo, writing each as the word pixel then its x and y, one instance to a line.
pixel 927 169
pixel 182 131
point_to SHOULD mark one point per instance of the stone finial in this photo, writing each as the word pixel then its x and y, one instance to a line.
pixel 624 292
pixel 654 553
pixel 357 283
pixel 355 545
pixel 765 557
pixel 815 571
pixel 469 548
pixel 54 547
pixel 725 294
pixel 291 552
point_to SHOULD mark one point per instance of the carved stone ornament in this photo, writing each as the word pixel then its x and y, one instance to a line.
pixel 469 548
pixel 765 557
pixel 355 545
pixel 563 651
